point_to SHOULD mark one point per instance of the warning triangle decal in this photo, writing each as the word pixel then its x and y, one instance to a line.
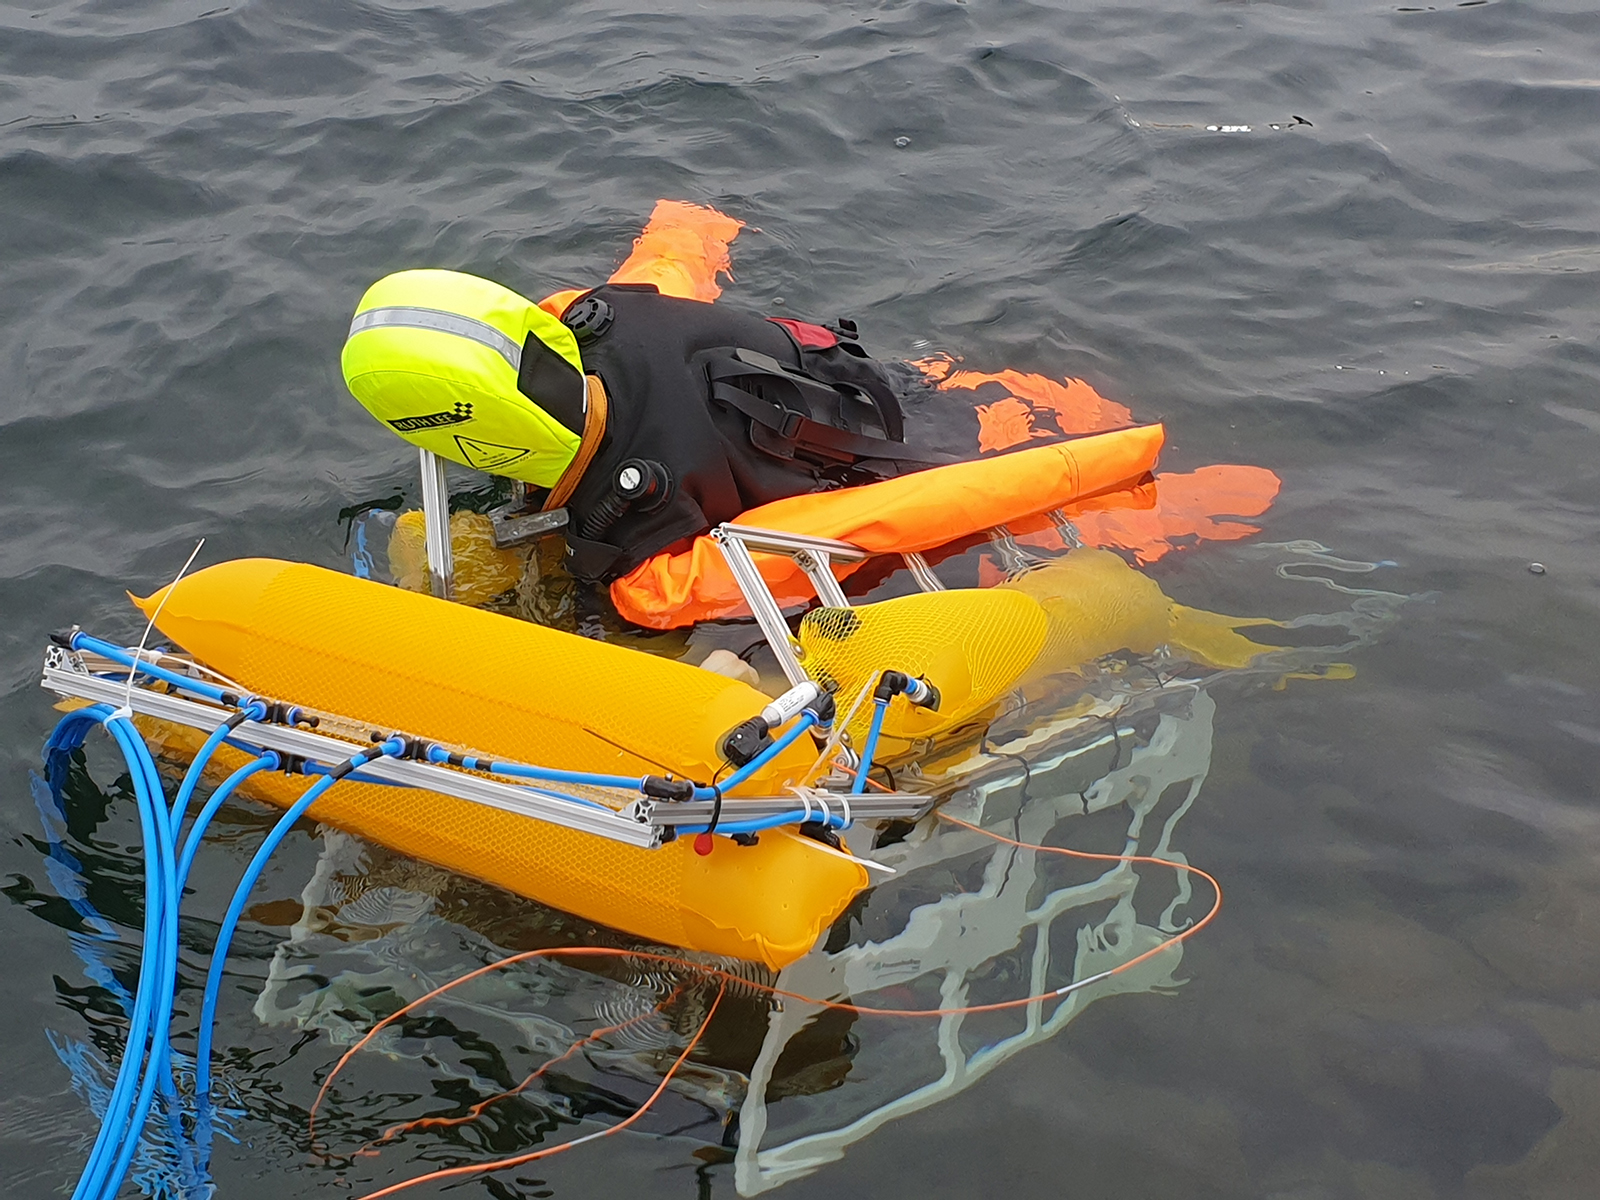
pixel 487 456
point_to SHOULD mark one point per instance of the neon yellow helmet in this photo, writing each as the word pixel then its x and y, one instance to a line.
pixel 469 370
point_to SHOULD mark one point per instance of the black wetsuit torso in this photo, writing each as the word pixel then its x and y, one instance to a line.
pixel 722 411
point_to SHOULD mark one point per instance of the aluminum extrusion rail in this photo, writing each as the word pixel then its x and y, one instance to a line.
pixel 640 823
pixel 323 749
pixel 866 806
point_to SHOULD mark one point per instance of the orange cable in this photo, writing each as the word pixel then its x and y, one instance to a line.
pixel 520 1159
pixel 476 1111
pixel 727 977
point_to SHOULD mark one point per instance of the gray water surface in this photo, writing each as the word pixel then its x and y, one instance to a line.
pixel 1384 290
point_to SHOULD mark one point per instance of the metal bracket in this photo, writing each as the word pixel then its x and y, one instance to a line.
pixel 819 570
pixel 513 529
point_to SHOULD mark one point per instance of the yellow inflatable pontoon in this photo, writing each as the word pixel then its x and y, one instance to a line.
pixel 519 691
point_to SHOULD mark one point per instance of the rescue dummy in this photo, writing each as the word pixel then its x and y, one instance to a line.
pixel 652 415
pixel 650 418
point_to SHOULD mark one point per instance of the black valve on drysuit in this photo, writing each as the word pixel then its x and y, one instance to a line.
pixel 588 318
pixel 746 740
pixel 640 484
pixel 913 687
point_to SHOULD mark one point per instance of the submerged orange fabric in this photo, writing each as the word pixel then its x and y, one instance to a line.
pixel 682 251
pixel 910 513
pixel 1009 421
pixel 1169 511
pixel 1187 509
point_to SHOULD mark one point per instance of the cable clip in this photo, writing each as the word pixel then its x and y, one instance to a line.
pixel 662 787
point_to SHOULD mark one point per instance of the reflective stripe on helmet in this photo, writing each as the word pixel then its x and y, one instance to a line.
pixel 441 322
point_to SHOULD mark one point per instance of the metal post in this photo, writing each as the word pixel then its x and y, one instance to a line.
pixel 922 572
pixel 436 525
pixel 765 609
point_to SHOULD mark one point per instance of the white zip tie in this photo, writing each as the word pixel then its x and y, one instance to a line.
pixel 138 656
pixel 824 848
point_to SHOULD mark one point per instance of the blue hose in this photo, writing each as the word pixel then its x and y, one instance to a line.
pixel 145 1063
pixel 439 754
pixel 757 824
pixel 101 1175
pixel 256 711
pixel 241 895
pixel 157 1068
pixel 191 844
pixel 83 641
pixel 880 710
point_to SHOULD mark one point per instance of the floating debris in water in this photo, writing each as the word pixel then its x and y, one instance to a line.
pixel 902 142
pixel 1536 568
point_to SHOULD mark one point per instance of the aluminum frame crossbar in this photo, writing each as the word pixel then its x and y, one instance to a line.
pixel 813 555
pixel 640 823
pixel 321 748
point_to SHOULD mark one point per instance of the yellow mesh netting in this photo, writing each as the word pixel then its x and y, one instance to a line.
pixel 973 645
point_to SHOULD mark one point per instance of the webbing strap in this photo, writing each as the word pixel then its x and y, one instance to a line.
pixel 406 317
pixel 803 431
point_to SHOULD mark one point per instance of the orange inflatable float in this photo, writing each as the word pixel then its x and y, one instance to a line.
pixel 910 513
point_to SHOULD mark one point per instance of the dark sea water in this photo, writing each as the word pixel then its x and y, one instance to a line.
pixel 1384 290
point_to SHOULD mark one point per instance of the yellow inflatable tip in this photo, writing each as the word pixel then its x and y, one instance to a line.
pixel 148 604
pixel 1214 639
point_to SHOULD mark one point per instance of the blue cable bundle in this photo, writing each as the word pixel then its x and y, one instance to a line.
pixel 146 1066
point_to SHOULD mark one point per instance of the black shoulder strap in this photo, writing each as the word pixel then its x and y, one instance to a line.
pixel 793 429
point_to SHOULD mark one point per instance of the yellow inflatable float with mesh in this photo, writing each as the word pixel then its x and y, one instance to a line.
pixel 523 692
pixel 510 689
